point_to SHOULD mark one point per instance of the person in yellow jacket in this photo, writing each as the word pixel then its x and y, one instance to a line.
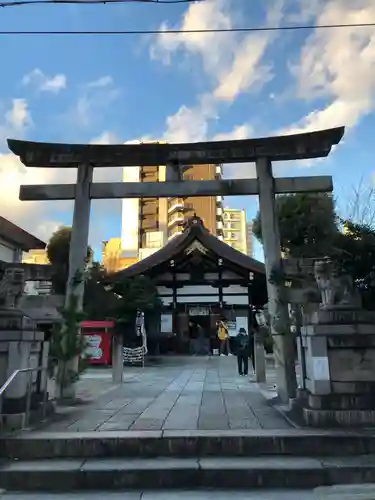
pixel 222 333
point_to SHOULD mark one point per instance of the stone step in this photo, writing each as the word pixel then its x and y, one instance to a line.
pixel 293 442
pixel 346 492
pixel 201 494
pixel 154 473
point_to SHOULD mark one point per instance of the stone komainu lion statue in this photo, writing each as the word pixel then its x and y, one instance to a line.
pixel 336 288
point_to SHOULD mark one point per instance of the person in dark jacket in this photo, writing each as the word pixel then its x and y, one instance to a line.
pixel 242 351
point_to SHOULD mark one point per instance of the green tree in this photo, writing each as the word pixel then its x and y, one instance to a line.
pixel 109 298
pixel 133 294
pixel 99 301
pixel 354 249
pixel 67 347
pixel 308 224
pixel 58 254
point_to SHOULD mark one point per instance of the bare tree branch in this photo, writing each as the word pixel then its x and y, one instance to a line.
pixel 360 206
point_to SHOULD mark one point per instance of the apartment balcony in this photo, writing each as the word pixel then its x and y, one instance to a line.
pixel 176 220
pixel 175 204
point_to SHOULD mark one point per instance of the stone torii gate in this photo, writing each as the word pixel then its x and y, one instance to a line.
pixel 262 151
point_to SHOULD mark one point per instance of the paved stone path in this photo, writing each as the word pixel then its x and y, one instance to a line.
pixel 178 394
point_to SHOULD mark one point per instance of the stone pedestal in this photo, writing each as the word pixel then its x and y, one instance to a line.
pixel 339 349
pixel 21 346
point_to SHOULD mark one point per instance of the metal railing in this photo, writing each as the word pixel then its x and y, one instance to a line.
pixel 30 383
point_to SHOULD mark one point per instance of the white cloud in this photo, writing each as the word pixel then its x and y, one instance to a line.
pixel 107 174
pixel 338 65
pixel 106 137
pixel 238 170
pixel 39 218
pixel 304 11
pixel 95 98
pixel 244 131
pixel 212 47
pixel 247 71
pixel 233 62
pixel 42 218
pixel 191 124
pixel 81 113
pixel 44 83
pixel 103 81
pixel 18 117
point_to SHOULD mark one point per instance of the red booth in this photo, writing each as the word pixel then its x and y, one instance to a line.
pixel 98 335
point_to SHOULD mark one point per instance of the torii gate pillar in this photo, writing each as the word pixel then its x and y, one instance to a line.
pixel 80 235
pixel 278 307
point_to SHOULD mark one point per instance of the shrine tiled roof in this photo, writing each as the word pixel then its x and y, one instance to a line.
pixel 19 237
pixel 194 230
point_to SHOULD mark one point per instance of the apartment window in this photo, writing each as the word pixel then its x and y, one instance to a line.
pixel 153 239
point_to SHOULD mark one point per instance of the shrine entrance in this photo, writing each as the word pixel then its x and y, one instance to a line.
pixel 199 280
pixel 262 151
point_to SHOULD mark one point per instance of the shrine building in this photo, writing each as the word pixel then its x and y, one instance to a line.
pixel 199 280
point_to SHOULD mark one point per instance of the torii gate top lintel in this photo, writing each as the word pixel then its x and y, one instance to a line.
pixel 279 148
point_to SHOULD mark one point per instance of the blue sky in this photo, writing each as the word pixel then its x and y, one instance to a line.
pixel 183 88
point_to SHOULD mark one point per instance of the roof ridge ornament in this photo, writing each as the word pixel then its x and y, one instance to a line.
pixel 194 220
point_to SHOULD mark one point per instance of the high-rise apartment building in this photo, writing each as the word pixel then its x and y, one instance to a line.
pixel 235 233
pixel 249 238
pixel 148 223
pixel 208 208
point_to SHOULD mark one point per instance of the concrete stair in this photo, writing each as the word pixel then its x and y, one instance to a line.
pixel 196 459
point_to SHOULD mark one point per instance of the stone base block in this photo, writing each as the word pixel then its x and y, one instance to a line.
pixel 16 421
pixel 343 315
pixel 338 418
pixel 341 402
